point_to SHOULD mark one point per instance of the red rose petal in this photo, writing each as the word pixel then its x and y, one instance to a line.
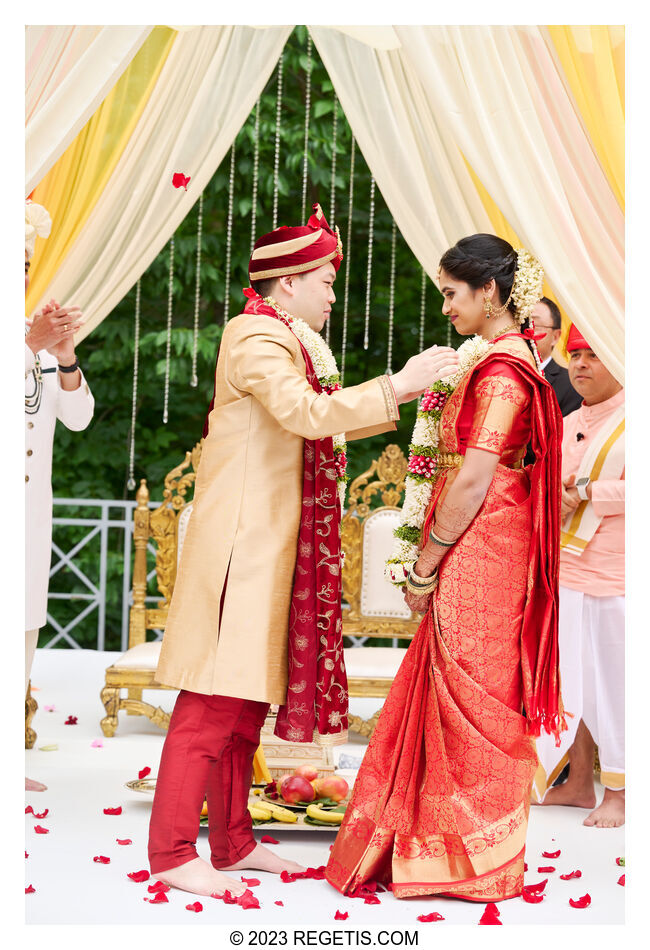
pixel 226 897
pixel 427 918
pixel 525 866
pixel 251 881
pixel 158 886
pixel 551 854
pixel 371 899
pixel 71 721
pixel 536 888
pixel 341 915
pixel 124 840
pixel 30 890
pixel 279 903
pixel 144 772
pixel 490 915
pixel 40 830
pixel 180 181
pixel 139 876
pixel 546 870
pixel 267 839
pixel 531 898
pixel 248 901
pixel 113 811
pixel 621 880
pixel 101 859
pixel 286 878
pixel 620 862
pixel 30 811
pixel 570 876
pixel 583 901
pixel 41 814
pixel 197 907
pixel 26 855
pixel 159 898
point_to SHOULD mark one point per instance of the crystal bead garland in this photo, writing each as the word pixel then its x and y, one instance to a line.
pixel 134 399
pixel 256 168
pixel 371 230
pixel 423 303
pixel 194 381
pixel 170 298
pixel 391 301
pixel 231 192
pixel 305 165
pixel 276 157
pixel 332 193
pixel 348 246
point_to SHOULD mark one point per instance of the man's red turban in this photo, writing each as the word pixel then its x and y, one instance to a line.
pixel 296 250
pixel 576 341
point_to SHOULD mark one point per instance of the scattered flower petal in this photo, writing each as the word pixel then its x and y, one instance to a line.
pixel 30 890
pixel 158 886
pixel 124 840
pixel 621 880
pixel 267 839
pixel 428 918
pixel 570 876
pixel 101 859
pixel 180 181
pixel 26 855
pixel 490 915
pixel 29 810
pixel 620 862
pixel 536 888
pixel 113 811
pixel 341 915
pixel 49 708
pixel 525 866
pixel 71 721
pixel 48 748
pixel 226 897
pixel 551 854
pixel 197 907
pixel 531 897
pixel 251 881
pixel 139 876
pixel 158 898
pixel 248 901
pixel 144 772
pixel 37 814
pixel 40 830
pixel 279 903
pixel 583 901
pixel 547 869
pixel 97 744
pixel 371 899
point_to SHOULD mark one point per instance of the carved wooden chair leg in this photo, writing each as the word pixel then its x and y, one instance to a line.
pixel 134 693
pixel 110 696
pixel 364 727
pixel 30 708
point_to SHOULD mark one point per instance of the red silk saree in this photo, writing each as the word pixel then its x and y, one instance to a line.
pixel 440 804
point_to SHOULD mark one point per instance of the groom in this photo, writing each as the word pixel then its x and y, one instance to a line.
pixel 264 527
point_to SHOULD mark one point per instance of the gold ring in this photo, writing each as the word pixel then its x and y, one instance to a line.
pixel 65 327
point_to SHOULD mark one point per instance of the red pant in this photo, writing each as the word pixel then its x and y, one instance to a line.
pixel 209 749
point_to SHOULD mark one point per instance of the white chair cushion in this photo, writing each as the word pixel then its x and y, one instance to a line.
pixel 380 598
pixel 144 656
pixel 373 662
pixel 183 521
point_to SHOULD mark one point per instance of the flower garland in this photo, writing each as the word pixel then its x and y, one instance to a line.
pixel 422 464
pixel 329 378
pixel 528 285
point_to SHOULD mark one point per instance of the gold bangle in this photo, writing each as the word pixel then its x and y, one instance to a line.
pixel 443 544
pixel 414 585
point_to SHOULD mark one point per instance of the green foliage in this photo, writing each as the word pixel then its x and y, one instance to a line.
pixel 95 463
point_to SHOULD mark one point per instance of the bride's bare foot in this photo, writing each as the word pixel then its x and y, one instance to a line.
pixel 199 877
pixel 31 785
pixel 611 811
pixel 580 795
pixel 261 859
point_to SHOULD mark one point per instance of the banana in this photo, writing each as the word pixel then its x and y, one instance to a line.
pixel 321 814
pixel 281 814
pixel 260 812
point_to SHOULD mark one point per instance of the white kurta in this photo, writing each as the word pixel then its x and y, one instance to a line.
pixel 75 410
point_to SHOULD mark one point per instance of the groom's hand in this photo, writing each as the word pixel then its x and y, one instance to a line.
pixel 424 370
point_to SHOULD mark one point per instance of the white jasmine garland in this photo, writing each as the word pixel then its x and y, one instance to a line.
pixel 424 446
pixel 528 285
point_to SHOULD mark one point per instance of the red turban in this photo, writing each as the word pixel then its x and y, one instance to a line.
pixel 288 251
pixel 576 341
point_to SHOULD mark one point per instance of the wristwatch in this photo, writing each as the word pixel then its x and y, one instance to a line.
pixel 581 485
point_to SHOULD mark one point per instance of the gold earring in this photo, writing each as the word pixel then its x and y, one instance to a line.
pixel 487 306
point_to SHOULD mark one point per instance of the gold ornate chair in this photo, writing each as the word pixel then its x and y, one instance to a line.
pixel 375 608
pixel 30 708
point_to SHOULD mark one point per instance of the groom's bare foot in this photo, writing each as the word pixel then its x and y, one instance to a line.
pixel 261 859
pixel 611 811
pixel 199 877
pixel 31 785
pixel 571 793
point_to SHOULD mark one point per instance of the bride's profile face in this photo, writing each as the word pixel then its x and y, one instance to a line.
pixel 461 304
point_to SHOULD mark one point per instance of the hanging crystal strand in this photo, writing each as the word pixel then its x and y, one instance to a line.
pixel 371 229
pixel 449 333
pixel 231 192
pixel 256 167
pixel 348 246
pixel 170 298
pixel 306 149
pixel 194 380
pixel 134 399
pixel 276 157
pixel 391 301
pixel 332 191
pixel 423 303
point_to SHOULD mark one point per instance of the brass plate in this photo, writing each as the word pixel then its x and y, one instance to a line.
pixel 145 785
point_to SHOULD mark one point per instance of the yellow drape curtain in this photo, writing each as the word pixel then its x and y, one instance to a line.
pixel 593 62
pixel 72 187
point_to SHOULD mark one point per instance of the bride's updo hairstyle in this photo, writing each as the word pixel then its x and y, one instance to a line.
pixel 479 258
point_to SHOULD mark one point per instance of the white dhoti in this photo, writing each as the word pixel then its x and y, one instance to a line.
pixel 592 679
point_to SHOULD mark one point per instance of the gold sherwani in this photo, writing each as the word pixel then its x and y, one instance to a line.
pixel 246 514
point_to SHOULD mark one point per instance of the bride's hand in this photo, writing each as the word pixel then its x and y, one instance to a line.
pixel 418 604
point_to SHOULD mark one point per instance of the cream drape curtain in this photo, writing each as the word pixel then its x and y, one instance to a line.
pixel 210 82
pixel 493 96
pixel 69 72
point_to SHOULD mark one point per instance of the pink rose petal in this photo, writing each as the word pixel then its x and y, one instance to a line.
pixel 97 744
pixel 49 708
pixel 197 907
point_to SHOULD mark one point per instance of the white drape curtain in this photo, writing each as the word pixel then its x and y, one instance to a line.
pixel 211 80
pixel 69 71
pixel 492 94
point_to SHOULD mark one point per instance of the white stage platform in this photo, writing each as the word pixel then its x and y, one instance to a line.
pixel 83 780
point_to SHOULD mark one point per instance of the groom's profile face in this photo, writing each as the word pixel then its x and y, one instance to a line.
pixel 313 295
